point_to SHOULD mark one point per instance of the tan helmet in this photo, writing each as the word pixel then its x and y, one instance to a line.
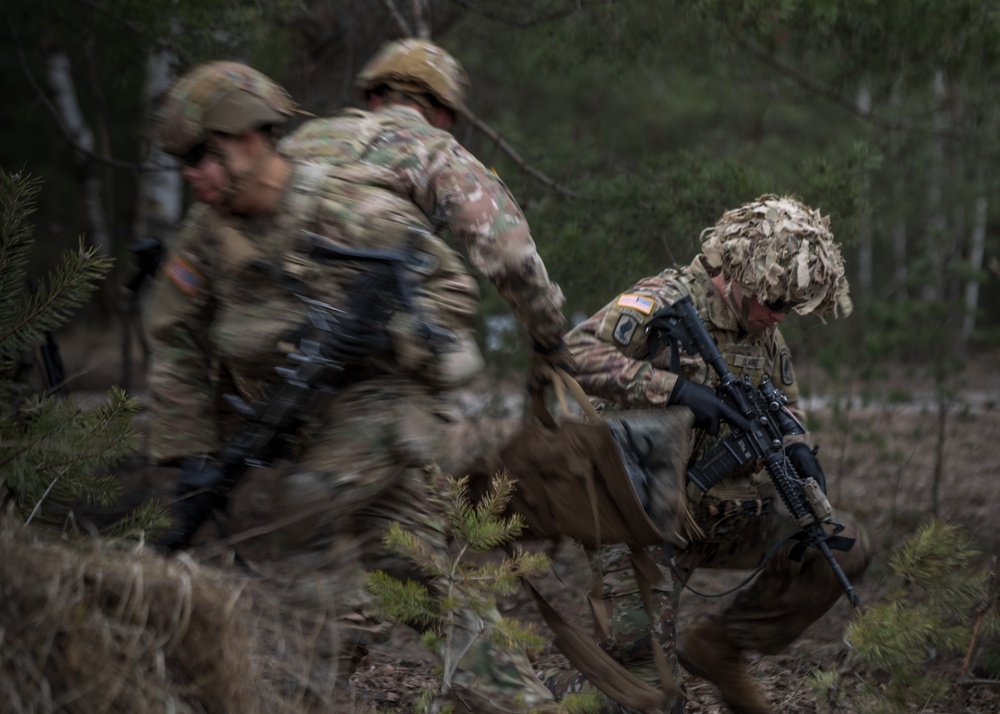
pixel 778 249
pixel 227 97
pixel 417 66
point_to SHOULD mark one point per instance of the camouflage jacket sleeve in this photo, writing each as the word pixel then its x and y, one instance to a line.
pixel 612 349
pixel 476 206
pixel 181 397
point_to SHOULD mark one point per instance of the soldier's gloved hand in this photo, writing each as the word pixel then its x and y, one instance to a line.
pixel 194 500
pixel 805 462
pixel 557 355
pixel 544 360
pixel 706 406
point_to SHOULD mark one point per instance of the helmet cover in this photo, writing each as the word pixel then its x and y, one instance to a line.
pixel 778 249
pixel 226 97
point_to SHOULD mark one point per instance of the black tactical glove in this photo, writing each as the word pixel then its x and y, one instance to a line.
pixel 195 499
pixel 708 409
pixel 544 360
pixel 558 355
pixel 805 462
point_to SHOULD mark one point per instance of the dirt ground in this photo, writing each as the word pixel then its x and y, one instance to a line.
pixel 894 458
pixel 894 454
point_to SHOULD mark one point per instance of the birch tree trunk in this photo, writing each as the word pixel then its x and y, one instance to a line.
pixel 60 76
pixel 977 248
pixel 864 103
pixel 934 236
pixel 160 201
pixel 161 189
pixel 901 271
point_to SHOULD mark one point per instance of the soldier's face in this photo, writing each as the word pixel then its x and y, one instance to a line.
pixel 206 177
pixel 758 316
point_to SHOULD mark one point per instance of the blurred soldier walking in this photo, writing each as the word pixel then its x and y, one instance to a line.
pixel 227 312
pixel 759 262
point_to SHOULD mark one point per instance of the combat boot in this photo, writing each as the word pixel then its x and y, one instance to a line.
pixel 704 650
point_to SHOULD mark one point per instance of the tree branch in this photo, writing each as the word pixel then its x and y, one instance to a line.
pixel 420 13
pixel 404 26
pixel 815 87
pixel 516 157
pixel 53 110
pixel 570 7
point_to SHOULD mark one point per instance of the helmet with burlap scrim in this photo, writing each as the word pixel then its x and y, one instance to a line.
pixel 226 97
pixel 417 66
pixel 778 249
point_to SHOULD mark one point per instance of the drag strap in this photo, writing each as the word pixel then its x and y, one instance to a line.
pixel 596 664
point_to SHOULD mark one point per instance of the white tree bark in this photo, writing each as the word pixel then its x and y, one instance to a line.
pixel 936 222
pixel 901 273
pixel 161 189
pixel 864 102
pixel 976 251
pixel 60 76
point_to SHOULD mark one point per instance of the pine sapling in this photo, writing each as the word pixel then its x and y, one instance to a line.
pixel 464 586
pixel 930 611
pixel 51 450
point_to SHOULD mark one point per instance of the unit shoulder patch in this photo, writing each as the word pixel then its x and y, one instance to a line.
pixel 785 367
pixel 183 275
pixel 625 330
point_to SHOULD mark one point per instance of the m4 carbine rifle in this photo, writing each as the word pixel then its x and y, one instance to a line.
pixel 344 338
pixel 768 422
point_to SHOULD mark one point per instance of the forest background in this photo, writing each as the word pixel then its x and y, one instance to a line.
pixel 624 128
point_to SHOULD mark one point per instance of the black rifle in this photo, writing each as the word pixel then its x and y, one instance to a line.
pixel 343 339
pixel 769 422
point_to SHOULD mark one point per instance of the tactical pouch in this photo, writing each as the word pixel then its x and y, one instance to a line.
pixel 596 479
pixel 600 480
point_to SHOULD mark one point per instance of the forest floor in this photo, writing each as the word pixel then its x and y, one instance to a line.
pixel 896 454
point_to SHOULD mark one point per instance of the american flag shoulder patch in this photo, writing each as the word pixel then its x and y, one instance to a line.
pixel 184 276
pixel 636 302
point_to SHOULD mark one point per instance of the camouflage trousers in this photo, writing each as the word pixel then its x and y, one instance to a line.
pixel 370 465
pixel 765 616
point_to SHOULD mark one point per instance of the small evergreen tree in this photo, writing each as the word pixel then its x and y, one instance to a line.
pixel 51 449
pixel 932 610
pixel 464 585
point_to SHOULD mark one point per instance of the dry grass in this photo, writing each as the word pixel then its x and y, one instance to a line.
pixel 103 627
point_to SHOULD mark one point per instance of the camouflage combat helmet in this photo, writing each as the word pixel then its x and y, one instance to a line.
pixel 417 66
pixel 778 249
pixel 227 97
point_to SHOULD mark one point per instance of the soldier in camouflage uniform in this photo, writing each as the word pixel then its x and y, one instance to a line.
pixel 226 312
pixel 759 262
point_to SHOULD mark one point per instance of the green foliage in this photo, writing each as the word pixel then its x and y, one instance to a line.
pixel 630 223
pixel 30 313
pixel 623 102
pixel 933 608
pixel 461 586
pixel 52 451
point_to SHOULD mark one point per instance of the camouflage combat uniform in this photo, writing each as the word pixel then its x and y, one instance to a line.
pixel 740 518
pixel 220 315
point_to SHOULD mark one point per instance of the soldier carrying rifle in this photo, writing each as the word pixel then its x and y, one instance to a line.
pixel 244 307
pixel 758 263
